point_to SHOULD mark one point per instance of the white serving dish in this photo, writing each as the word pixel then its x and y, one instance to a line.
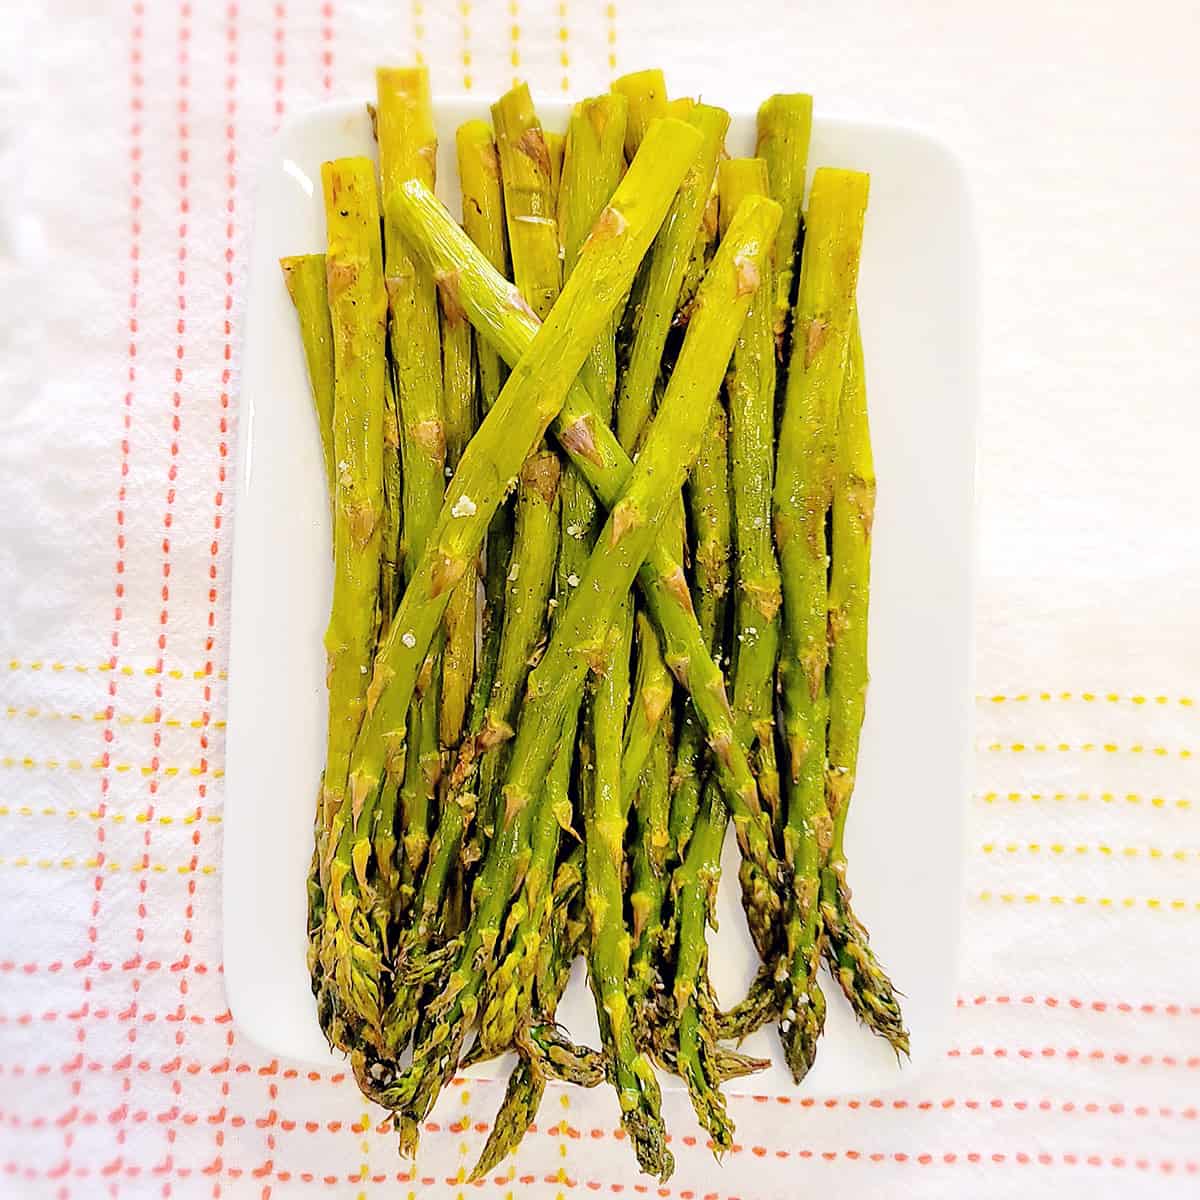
pixel 917 305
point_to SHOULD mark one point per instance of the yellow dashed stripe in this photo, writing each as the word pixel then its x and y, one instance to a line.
pixel 1101 849
pixel 1085 798
pixel 92 864
pixel 75 764
pixel 1154 903
pixel 13 711
pixel 39 664
pixel 1086 698
pixel 1088 747
pixel 115 818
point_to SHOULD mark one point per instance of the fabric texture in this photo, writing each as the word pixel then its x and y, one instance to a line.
pixel 129 138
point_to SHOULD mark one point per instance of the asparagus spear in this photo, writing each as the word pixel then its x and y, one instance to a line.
pixel 525 171
pixel 358 313
pixel 583 637
pixel 606 467
pixel 458 656
pixel 803 492
pixel 784 133
pixel 665 268
pixel 646 92
pixel 528 402
pixel 751 392
pixel 408 150
pixel 483 220
pixel 652 804
pixel 304 275
pixel 847 948
pixel 592 165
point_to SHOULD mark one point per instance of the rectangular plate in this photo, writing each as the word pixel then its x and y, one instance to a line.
pixel 916 300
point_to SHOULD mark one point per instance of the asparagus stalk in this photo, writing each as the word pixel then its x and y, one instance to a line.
pixel 349 957
pixel 483 220
pixel 582 638
pixel 803 492
pixel 646 93
pixel 784 133
pixel 304 275
pixel 847 947
pixel 526 173
pixel 458 656
pixel 652 804
pixel 695 887
pixel 408 150
pixel 606 467
pixel 751 392
pixel 665 268
pixel 592 165
pixel 527 404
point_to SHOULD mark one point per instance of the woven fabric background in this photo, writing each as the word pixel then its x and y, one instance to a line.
pixel 129 135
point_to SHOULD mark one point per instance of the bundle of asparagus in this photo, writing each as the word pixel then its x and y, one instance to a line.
pixel 529 757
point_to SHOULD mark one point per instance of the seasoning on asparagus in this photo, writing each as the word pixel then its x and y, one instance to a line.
pixel 803 493
pixel 847 947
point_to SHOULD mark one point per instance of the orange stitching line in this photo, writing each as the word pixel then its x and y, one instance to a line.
pixel 1084 697
pixel 101 764
pixel 99 863
pixel 1084 797
pixel 327 28
pixel 1122 1058
pixel 1060 849
pixel 1099 1006
pixel 610 12
pixel 1166 1166
pixel 1089 1108
pixel 13 711
pixel 74 814
pixel 40 664
pixel 1151 902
